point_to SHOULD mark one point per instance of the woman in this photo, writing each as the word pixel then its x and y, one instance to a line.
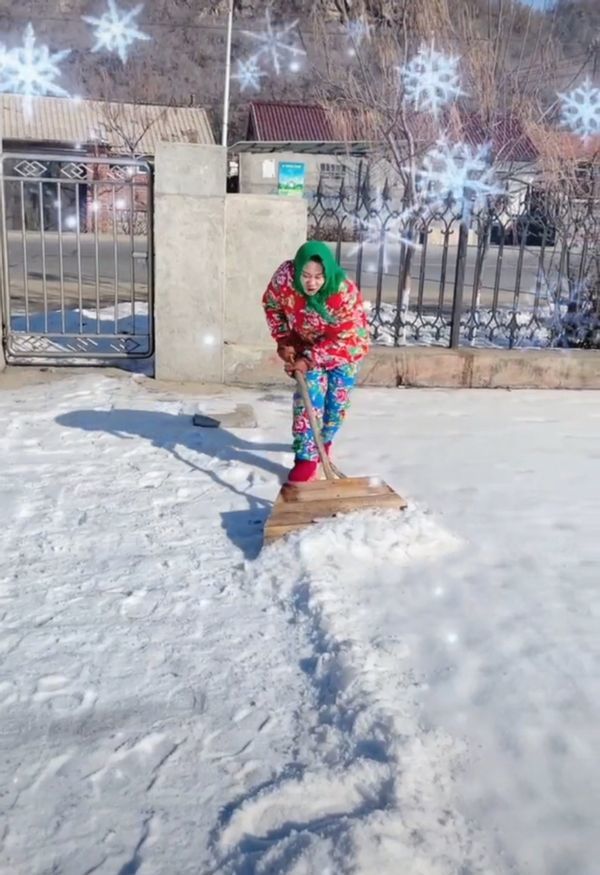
pixel 317 317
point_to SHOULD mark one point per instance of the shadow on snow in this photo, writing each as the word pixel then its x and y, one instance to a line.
pixel 174 432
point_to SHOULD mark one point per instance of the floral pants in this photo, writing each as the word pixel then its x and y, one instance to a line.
pixel 329 392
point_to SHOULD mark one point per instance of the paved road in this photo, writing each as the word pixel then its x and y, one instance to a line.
pixel 87 277
pixel 434 291
pixel 109 274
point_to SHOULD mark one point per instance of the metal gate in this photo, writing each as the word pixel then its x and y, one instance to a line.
pixel 77 274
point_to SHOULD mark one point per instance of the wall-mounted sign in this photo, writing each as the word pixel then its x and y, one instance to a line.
pixel 268 169
pixel 291 178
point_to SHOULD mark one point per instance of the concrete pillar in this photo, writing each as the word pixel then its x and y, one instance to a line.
pixel 262 231
pixel 189 246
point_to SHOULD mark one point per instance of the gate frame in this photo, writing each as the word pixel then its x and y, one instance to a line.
pixel 57 356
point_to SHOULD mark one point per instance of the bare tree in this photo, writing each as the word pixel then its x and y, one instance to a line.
pixel 367 96
pixel 569 182
pixel 123 130
pixel 372 95
pixel 510 65
pixel 508 58
pixel 126 125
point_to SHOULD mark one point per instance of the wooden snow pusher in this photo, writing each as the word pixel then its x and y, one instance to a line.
pixel 299 505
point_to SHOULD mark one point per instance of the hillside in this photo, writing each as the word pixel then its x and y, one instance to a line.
pixel 185 61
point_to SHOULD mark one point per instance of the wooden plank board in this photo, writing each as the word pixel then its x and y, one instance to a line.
pixel 328 507
pixel 331 489
pixel 298 507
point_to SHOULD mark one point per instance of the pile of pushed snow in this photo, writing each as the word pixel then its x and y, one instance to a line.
pixel 362 542
pixel 373 779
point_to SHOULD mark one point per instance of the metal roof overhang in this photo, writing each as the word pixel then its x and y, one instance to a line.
pixel 327 147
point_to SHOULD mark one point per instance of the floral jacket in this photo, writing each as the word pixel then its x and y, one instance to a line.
pixel 293 323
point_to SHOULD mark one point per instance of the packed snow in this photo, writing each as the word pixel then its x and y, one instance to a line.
pixel 412 692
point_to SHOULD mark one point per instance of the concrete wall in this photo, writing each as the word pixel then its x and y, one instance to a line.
pixel 214 255
pixel 259 173
pixel 421 367
pixel 261 233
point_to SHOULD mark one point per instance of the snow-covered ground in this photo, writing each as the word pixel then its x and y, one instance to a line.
pixel 414 693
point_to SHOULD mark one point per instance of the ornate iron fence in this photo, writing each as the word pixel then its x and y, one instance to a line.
pixel 77 275
pixel 525 271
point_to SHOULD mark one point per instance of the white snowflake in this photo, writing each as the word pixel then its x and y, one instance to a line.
pixel 115 30
pixel 566 306
pixel 357 31
pixel 560 290
pixel 273 43
pixel 431 80
pixel 581 110
pixel 382 234
pixel 30 70
pixel 457 175
pixel 249 74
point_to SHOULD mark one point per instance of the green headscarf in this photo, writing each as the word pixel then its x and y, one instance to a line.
pixel 334 275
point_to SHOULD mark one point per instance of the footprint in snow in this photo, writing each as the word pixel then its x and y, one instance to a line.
pixel 62 696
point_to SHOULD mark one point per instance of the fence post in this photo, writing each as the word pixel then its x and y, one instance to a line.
pixel 189 235
pixel 459 284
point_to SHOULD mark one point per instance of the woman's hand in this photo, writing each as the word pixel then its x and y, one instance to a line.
pixel 300 365
pixel 286 353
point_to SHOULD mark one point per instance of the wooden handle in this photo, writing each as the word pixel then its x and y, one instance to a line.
pixel 328 468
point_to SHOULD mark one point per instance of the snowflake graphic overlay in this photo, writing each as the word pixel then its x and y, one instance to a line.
pixel 431 80
pixel 273 43
pixel 569 312
pixel 581 110
pixel 457 175
pixel 357 31
pixel 115 30
pixel 30 70
pixel 384 234
pixel 249 74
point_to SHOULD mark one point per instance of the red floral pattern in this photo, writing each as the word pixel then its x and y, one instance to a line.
pixel 292 322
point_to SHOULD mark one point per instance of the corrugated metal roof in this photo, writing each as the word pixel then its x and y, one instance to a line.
pixel 274 125
pixel 507 137
pixel 289 122
pixel 273 122
pixel 323 147
pixel 125 127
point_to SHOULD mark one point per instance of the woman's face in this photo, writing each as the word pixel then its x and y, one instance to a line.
pixel 313 277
